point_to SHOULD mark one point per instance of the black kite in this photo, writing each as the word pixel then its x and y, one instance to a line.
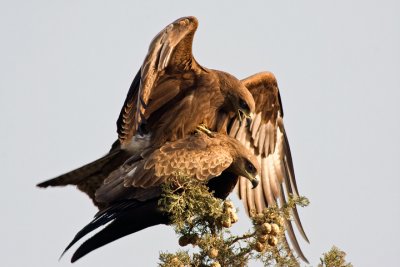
pixel 172 94
pixel 131 192
pixel 169 97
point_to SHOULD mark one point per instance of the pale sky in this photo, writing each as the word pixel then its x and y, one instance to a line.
pixel 66 66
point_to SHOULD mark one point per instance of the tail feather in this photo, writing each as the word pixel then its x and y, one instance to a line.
pixel 124 219
pixel 112 232
pixel 101 218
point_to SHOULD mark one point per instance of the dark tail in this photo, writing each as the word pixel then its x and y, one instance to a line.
pixel 101 218
pixel 126 218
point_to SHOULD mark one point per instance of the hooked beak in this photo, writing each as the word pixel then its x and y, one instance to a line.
pixel 255 181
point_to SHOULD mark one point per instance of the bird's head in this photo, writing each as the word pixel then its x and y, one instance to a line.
pixel 239 99
pixel 245 163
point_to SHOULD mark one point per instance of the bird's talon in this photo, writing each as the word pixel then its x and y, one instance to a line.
pixel 204 129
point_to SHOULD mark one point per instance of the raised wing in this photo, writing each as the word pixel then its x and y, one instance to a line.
pixel 197 156
pixel 125 122
pixel 170 51
pixel 266 137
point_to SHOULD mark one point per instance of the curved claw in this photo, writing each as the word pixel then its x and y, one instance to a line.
pixel 248 122
pixel 239 115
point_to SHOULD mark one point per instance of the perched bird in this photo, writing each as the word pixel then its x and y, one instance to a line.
pixel 132 191
pixel 169 97
pixel 266 138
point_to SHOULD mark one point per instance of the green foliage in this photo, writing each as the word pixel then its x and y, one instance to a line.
pixel 334 258
pixel 179 259
pixel 193 209
pixel 204 221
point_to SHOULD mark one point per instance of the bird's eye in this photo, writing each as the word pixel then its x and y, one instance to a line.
pixel 243 105
pixel 250 167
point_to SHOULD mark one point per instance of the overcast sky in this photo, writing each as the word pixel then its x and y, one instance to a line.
pixel 66 66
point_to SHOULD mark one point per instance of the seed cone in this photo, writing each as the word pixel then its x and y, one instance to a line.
pixel 272 241
pixel 234 217
pixel 266 228
pixel 275 229
pixel 227 223
pixel 184 240
pixel 259 247
pixel 213 253
pixel 228 204
pixel 262 238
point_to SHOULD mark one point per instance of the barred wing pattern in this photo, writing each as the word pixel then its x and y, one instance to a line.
pixel 170 49
pixel 197 156
pixel 267 138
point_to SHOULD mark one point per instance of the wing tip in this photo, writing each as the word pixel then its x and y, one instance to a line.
pixel 76 257
pixel 188 19
pixel 43 184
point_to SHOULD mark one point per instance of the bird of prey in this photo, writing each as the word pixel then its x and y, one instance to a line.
pixel 172 94
pixel 169 97
pixel 266 138
pixel 132 191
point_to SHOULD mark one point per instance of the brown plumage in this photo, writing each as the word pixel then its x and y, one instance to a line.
pixel 90 177
pixel 173 94
pixel 266 138
pixel 131 192
pixel 169 97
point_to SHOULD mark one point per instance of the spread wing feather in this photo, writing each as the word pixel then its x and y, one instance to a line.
pixel 266 137
pixel 170 50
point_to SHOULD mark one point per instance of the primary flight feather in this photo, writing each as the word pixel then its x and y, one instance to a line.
pixel 266 138
pixel 170 96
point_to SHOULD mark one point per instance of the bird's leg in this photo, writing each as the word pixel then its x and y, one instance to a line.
pixel 204 129
pixel 240 116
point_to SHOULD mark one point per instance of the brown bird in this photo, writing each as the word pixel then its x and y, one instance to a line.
pixel 132 191
pixel 176 94
pixel 169 97
pixel 172 94
pixel 266 138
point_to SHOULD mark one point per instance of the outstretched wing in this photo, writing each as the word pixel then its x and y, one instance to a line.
pixel 170 51
pixel 197 156
pixel 267 138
